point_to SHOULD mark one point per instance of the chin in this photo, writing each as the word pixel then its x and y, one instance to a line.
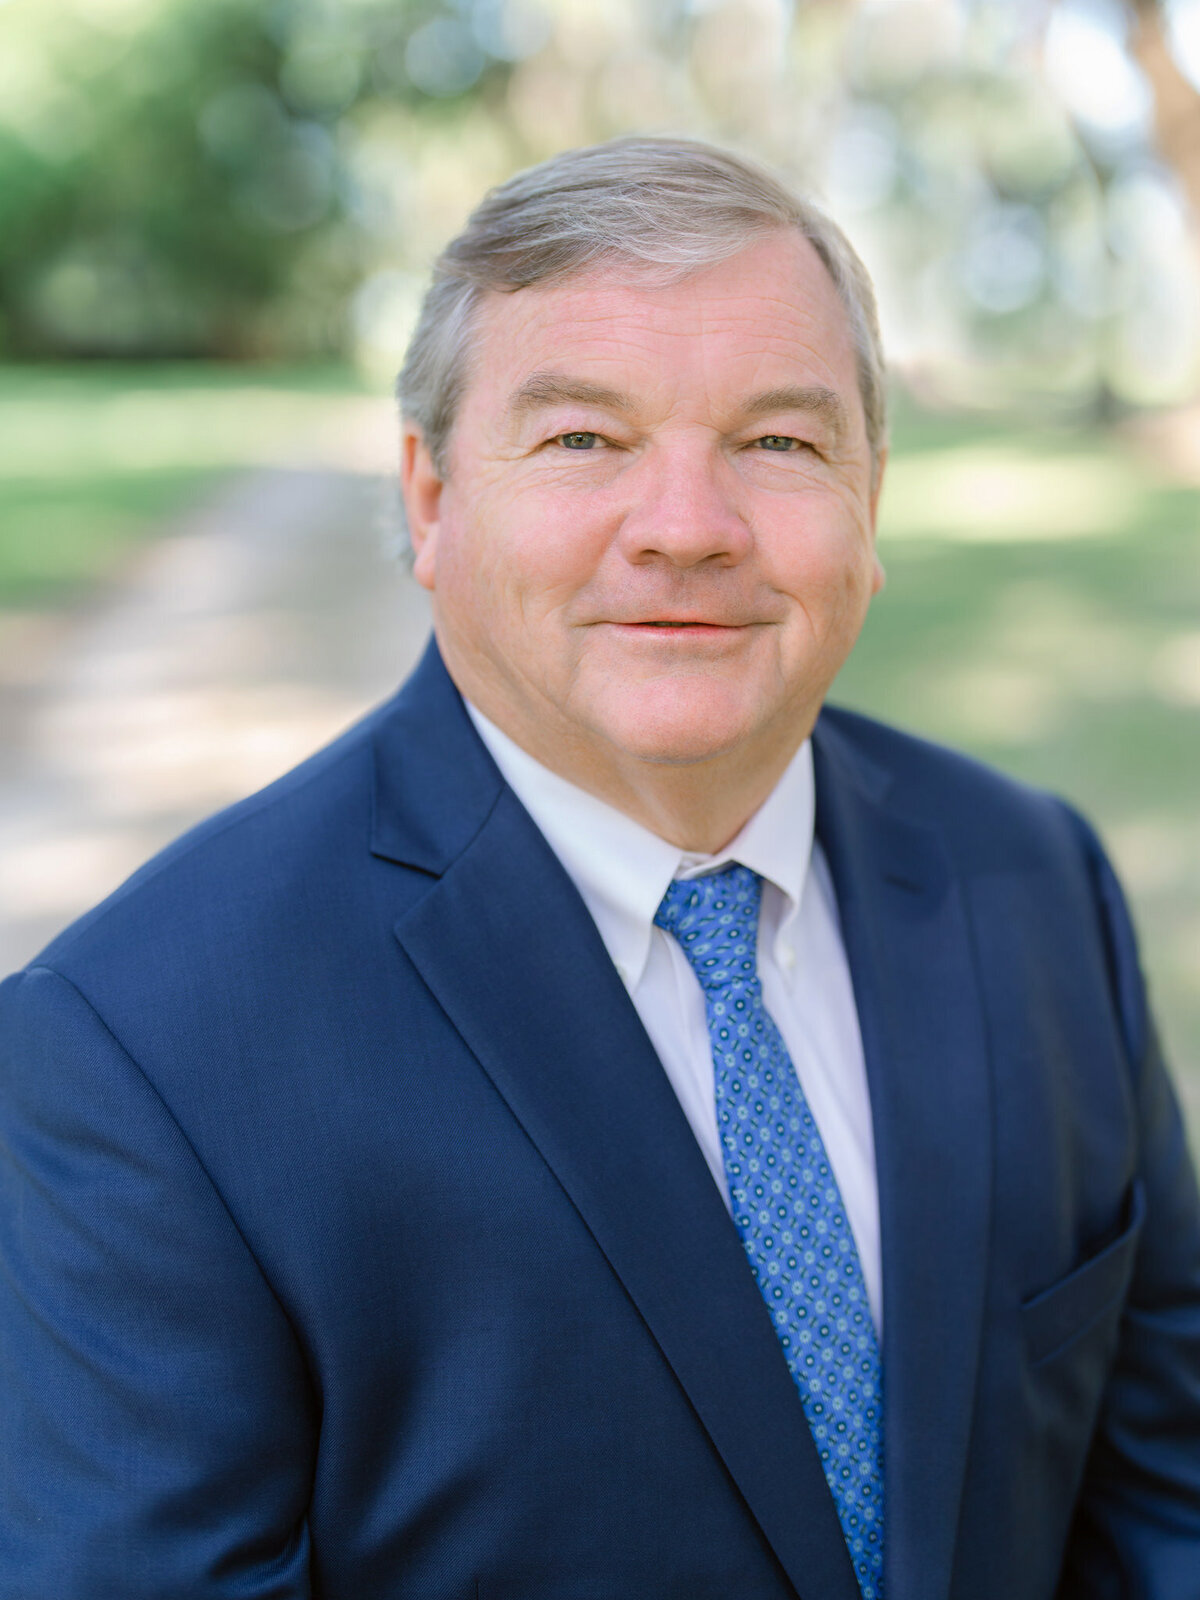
pixel 679 729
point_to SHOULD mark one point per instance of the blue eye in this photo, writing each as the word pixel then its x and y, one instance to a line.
pixel 777 441
pixel 578 441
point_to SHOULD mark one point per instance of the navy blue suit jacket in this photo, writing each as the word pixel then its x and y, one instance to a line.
pixel 354 1245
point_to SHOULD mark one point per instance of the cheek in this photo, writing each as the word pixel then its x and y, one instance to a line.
pixel 515 560
pixel 855 587
pixel 827 554
pixel 556 539
pixel 828 568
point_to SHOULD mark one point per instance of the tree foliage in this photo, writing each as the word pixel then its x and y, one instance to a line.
pixel 173 176
pixel 241 177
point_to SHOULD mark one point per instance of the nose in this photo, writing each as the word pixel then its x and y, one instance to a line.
pixel 684 508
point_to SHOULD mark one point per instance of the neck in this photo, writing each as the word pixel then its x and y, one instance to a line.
pixel 698 806
pixel 698 803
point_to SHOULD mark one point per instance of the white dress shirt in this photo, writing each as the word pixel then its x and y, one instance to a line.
pixel 622 871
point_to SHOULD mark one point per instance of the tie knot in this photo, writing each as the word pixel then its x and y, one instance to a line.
pixel 715 920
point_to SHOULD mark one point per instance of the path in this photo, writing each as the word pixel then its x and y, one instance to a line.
pixel 254 630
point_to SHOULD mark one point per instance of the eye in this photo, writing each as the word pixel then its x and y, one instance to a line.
pixel 578 441
pixel 779 441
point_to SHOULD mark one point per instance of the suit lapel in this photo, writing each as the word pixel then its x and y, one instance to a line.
pixel 507 947
pixel 916 990
pixel 514 959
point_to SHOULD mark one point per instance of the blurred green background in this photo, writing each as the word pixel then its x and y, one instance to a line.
pixel 216 217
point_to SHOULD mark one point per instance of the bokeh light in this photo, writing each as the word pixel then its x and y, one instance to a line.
pixel 242 177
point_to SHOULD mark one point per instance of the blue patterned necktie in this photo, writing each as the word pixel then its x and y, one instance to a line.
pixel 787 1207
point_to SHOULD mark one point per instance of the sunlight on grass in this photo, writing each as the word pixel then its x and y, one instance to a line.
pixel 1041 612
pixel 999 494
pixel 62 535
pixel 185 428
pixel 1175 670
pixel 93 458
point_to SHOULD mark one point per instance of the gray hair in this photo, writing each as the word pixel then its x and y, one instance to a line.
pixel 675 204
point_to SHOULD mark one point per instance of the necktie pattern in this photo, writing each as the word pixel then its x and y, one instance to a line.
pixel 787 1206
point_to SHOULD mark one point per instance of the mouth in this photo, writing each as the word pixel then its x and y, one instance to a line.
pixel 684 625
pixel 696 631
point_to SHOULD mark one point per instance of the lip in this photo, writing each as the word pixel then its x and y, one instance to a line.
pixel 670 628
pixel 681 639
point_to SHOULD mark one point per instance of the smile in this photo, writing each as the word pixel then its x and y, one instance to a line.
pixel 688 628
pixel 691 626
pixel 666 632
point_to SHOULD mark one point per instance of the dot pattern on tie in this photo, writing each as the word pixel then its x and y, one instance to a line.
pixel 787 1206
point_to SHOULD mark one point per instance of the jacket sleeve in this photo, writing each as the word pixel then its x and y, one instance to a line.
pixel 1137 1528
pixel 157 1431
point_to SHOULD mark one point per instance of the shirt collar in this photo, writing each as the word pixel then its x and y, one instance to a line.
pixel 622 869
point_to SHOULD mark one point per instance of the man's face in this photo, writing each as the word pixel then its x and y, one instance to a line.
pixel 655 538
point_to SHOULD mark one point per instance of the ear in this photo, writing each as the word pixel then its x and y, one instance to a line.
pixel 880 576
pixel 421 485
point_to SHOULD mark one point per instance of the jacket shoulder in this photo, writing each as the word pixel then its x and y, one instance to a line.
pixel 974 805
pixel 993 825
pixel 232 869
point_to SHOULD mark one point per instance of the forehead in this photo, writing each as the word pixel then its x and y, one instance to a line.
pixel 766 317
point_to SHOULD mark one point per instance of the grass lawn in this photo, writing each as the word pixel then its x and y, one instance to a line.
pixel 94 456
pixel 1042 608
pixel 1043 612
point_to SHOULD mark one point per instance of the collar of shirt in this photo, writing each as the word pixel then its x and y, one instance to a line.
pixel 622 870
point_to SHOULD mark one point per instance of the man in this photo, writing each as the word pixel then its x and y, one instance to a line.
pixel 580 1135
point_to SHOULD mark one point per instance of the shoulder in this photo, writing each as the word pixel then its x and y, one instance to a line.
pixel 234 890
pixel 248 951
pixel 986 816
pixel 998 831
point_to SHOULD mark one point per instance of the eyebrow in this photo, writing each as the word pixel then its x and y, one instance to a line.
pixel 552 388
pixel 824 403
